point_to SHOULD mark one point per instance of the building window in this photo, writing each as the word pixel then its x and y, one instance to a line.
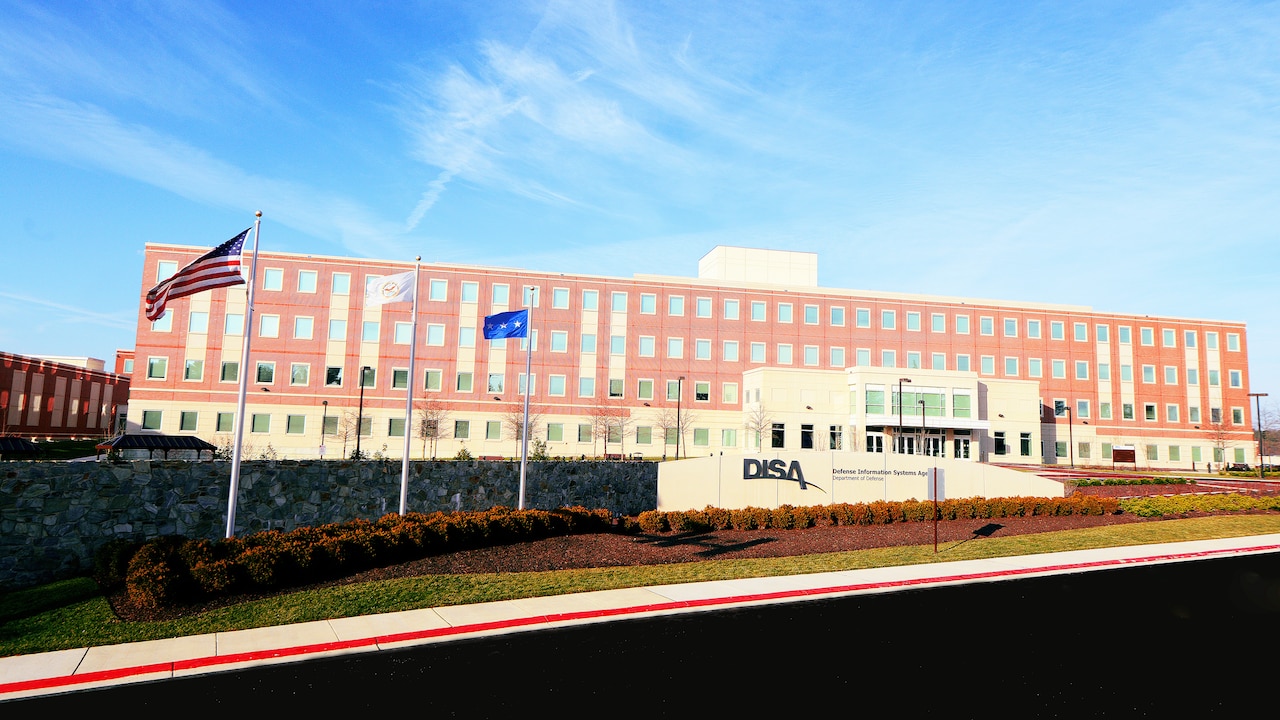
pixel 1035 367
pixel 230 372
pixel 297 424
pixel 913 321
pixel 555 432
pixel 702 349
pixel 1234 378
pixel 273 279
pixel 299 374
pixel 560 341
pixel 757 311
pixel 1237 416
pixel 1104 371
pixel 730 351
pixel 962 324
pixel 493 430
pixel 862 317
pixel 560 298
pixel 1148 336
pixel 702 307
pixel 556 385
pixel 888 358
pixel 646 348
pixel 303 327
pixel 1059 369
pixel 938 323
pixel 1082 332
pixel 888 320
pixel 1082 369
pixel 187 421
pixel 260 423
pixel 337 329
pixel 586 387
pixel 1103 333
pixel 1149 374
pixel 702 391
pixel 837 357
pixel 730 309
pixel 837 316
pixel 644 389
pixel 500 295
pixel 1126 373
pixel 1082 409
pixel 157 368
pixel 266 372
pixel 432 380
pixel 470 292
pixel 757 352
pixel 1169 337
pixel 369 331
pixel 988 365
pixel 399 379
pixel 587 343
pixel 784 354
pixel 462 429
pixel 590 300
pixel 438 290
pixel 198 322
pixel 615 387
pixel 465 382
pixel 1010 327
pixel 784 313
pixel 151 419
pixel 1171 413
pixel 497 381
pixel 962 363
pixel 648 304
pixel 1033 329
pixel 341 284
pixel 269 327
pixel 986 326
pixel 1149 411
pixel 862 357
pixel 225 422
pixel 729 393
pixel 675 305
pixel 193 370
pixel 675 348
pixel 1170 375
pixel 1189 338
pixel 1011 367
pixel 1057 330
pixel 1104 410
pixel 1125 335
pixel 778 436
pixel 618 302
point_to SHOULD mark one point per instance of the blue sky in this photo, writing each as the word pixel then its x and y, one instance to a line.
pixel 1121 155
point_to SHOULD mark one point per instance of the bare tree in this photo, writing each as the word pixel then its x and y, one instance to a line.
pixel 665 420
pixel 514 420
pixel 610 423
pixel 432 417
pixel 348 426
pixel 1220 434
pixel 757 421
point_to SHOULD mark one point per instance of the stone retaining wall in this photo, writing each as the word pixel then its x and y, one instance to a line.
pixel 54 516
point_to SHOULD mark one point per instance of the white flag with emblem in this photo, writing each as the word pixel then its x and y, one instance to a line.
pixel 390 288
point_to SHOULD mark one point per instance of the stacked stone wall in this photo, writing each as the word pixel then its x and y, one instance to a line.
pixel 54 516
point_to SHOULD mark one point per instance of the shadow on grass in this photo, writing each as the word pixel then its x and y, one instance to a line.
pixel 703 540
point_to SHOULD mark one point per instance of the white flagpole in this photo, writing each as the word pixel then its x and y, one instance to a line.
pixel 408 401
pixel 528 390
pixel 234 490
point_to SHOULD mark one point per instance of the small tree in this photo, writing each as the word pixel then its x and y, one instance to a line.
pixel 432 418
pixel 1220 434
pixel 756 422
pixel 348 426
pixel 513 420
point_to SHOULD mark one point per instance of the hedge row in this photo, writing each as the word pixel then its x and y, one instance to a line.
pixel 1134 481
pixel 173 570
pixel 788 517
pixel 1181 504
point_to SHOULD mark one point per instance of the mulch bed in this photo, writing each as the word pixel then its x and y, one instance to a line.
pixel 618 550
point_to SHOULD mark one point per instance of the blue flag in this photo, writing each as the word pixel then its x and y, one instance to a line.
pixel 514 324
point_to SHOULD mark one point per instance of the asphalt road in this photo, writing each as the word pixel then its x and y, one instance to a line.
pixel 1165 640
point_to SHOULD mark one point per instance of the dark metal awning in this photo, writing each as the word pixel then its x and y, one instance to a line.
pixel 156 442
pixel 18 445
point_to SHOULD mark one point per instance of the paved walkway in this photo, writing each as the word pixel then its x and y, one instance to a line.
pixel 83 668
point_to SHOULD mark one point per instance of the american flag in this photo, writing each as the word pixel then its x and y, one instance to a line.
pixel 220 267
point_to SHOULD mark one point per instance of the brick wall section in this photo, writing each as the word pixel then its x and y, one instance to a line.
pixel 53 516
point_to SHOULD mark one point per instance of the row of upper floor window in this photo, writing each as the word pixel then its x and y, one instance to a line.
pixel 785 354
pixel 783 312
pixel 702 349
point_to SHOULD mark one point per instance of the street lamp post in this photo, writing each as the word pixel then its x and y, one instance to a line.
pixel 679 428
pixel 1257 411
pixel 324 421
pixel 360 414
pixel 899 440
pixel 923 439
pixel 1071 440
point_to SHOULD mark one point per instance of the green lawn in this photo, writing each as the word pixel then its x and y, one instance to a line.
pixel 72 613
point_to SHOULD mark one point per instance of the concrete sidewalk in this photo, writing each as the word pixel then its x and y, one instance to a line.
pixel 84 668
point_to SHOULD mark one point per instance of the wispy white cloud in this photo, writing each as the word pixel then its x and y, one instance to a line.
pixel 71 313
